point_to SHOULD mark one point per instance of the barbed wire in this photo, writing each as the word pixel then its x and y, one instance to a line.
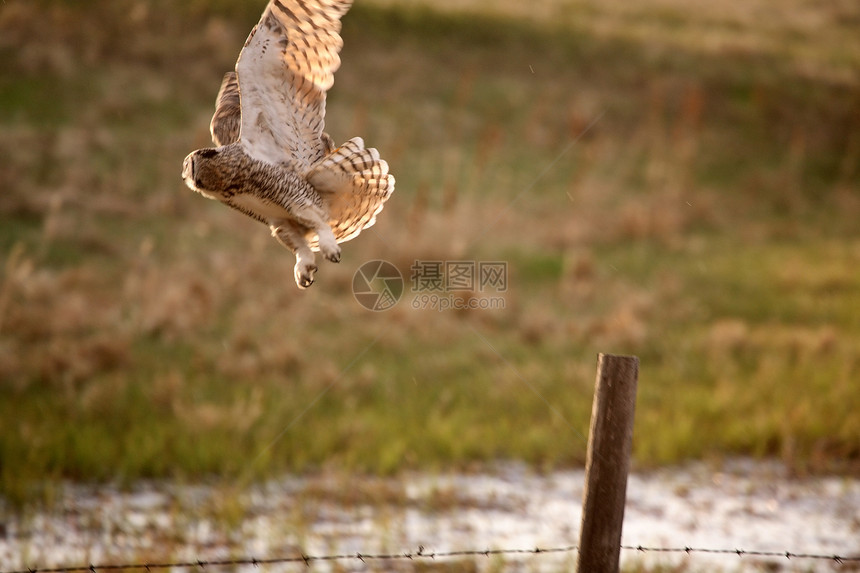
pixel 746 553
pixel 422 553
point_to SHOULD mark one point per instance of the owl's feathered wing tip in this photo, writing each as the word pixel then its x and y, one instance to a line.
pixel 226 123
pixel 356 184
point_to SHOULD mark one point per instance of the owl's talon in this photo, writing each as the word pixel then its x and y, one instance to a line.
pixel 328 245
pixel 305 275
pixel 333 256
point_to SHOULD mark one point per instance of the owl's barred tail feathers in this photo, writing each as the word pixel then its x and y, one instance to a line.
pixel 355 182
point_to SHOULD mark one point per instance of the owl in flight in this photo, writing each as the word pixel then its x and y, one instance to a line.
pixel 273 161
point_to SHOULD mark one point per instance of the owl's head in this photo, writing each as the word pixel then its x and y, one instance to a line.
pixel 202 172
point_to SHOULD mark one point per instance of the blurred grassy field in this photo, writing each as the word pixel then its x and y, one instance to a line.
pixel 673 181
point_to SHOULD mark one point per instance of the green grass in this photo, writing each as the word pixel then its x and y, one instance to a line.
pixel 706 222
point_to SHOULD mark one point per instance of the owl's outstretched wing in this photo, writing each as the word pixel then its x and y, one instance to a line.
pixel 284 71
pixel 225 124
pixel 355 183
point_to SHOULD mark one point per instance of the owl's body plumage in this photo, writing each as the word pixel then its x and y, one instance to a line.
pixel 274 162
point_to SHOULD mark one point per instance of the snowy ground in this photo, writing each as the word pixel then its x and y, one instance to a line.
pixel 744 505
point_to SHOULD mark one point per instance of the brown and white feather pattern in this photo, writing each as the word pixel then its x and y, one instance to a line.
pixel 354 183
pixel 273 161
pixel 284 71
pixel 227 120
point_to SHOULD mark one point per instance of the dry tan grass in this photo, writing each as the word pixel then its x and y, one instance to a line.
pixel 816 38
pixel 122 292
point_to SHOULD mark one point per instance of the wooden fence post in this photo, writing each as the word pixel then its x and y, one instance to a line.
pixel 607 464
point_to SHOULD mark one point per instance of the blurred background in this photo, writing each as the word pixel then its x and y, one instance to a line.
pixel 674 180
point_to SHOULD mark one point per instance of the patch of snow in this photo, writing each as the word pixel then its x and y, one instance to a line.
pixel 744 505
